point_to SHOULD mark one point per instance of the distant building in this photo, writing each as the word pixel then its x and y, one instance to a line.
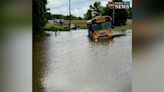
pixel 56 21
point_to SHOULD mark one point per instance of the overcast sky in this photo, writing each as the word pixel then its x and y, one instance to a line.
pixel 78 7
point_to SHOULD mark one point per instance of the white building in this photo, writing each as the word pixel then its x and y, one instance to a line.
pixel 56 21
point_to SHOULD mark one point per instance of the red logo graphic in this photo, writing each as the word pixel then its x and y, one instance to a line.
pixel 111 5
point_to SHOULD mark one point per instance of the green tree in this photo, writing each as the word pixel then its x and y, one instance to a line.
pixel 48 16
pixel 80 18
pixel 39 15
pixel 107 11
pixel 88 15
pixel 129 11
pixel 121 15
pixel 96 9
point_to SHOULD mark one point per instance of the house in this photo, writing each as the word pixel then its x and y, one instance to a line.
pixel 56 21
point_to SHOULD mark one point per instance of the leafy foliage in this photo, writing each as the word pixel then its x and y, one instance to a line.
pixel 39 15
pixel 96 9
pixel 88 15
pixel 129 13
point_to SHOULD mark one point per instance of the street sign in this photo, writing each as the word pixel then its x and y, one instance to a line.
pixel 119 5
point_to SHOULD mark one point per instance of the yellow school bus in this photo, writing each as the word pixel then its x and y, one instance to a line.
pixel 100 27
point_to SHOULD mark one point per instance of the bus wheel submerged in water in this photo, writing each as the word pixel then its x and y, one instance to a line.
pixel 100 27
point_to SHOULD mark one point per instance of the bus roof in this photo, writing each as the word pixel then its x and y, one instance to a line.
pixel 98 17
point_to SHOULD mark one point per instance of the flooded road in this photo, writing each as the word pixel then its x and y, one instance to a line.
pixel 71 62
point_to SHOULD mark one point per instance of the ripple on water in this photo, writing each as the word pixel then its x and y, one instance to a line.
pixel 74 63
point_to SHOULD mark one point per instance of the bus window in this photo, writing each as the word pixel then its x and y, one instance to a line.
pixel 96 27
pixel 106 25
pixel 102 26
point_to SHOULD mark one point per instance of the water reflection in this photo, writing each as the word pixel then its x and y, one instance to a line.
pixel 71 62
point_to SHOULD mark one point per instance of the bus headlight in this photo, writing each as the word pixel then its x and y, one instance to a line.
pixel 110 32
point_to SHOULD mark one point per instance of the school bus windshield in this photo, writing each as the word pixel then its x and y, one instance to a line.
pixel 101 26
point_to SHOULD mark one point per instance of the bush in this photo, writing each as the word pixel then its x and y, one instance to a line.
pixel 56 28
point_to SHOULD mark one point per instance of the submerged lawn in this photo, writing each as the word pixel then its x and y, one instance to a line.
pixel 126 27
pixel 82 24
pixel 52 27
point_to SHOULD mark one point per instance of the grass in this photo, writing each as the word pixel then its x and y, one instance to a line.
pixel 82 24
pixel 52 27
pixel 126 27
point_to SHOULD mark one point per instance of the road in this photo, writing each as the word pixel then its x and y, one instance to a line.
pixel 71 62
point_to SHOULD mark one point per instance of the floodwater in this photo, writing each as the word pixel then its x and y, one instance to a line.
pixel 71 62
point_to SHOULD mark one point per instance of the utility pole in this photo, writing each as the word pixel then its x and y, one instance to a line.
pixel 111 5
pixel 113 11
pixel 69 14
pixel 113 14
